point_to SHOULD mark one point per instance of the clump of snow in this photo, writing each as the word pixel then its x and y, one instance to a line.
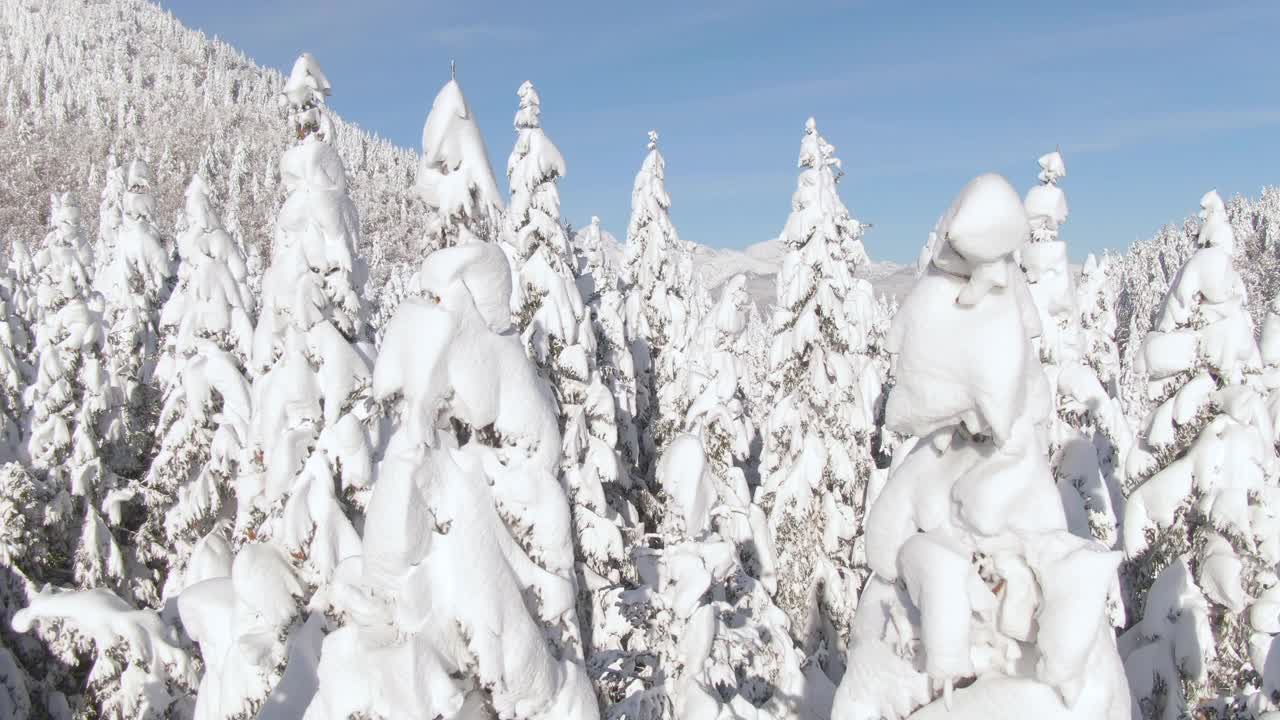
pixel 985 223
pixel 139 668
pixel 243 615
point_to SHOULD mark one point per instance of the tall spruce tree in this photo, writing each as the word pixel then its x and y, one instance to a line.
pixel 823 389
pixel 207 327
pixel 658 276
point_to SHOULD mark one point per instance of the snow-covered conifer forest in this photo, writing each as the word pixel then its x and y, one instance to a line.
pixel 295 423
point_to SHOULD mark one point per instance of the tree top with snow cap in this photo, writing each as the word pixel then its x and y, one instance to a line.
pixel 986 221
pixel 813 148
pixel 64 210
pixel 973 245
pixel 307 85
pixel 304 93
pixel 197 186
pixel 455 175
pixel 530 107
pixel 974 238
pixel 1211 202
pixel 139 175
pixel 1052 167
pixel 198 206
pixel 1216 230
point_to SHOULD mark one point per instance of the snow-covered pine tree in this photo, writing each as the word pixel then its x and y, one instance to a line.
pixel 823 390
pixel 658 277
pixel 700 636
pixel 1201 523
pixel 1087 433
pixel 1143 276
pixel 455 179
pixel 716 397
pixel 110 218
pixel 1096 302
pixel 15 354
pixel 1100 353
pixel 1269 345
pixel 546 310
pixel 594 263
pixel 22 532
pixel 207 327
pixel 70 507
pixel 535 241
pixel 138 281
pixel 68 401
pixel 549 314
pixel 465 568
pixel 753 348
pixel 884 442
pixel 23 304
pixel 980 599
pixel 599 283
pixel 309 455
pixel 29 674
pixel 703 637
pixel 674 366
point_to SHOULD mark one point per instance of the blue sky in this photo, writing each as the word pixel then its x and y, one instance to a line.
pixel 1153 103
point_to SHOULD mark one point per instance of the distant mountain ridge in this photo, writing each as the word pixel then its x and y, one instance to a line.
pixel 760 264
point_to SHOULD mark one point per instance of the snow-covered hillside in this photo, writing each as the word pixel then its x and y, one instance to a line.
pixel 88 84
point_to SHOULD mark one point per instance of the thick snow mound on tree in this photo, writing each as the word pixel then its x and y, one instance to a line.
pixel 455 176
pixel 481 271
pixel 155 671
pixel 1216 230
pixel 986 221
pixel 995 379
pixel 683 473
pixel 307 84
pixel 443 354
pixel 465 570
